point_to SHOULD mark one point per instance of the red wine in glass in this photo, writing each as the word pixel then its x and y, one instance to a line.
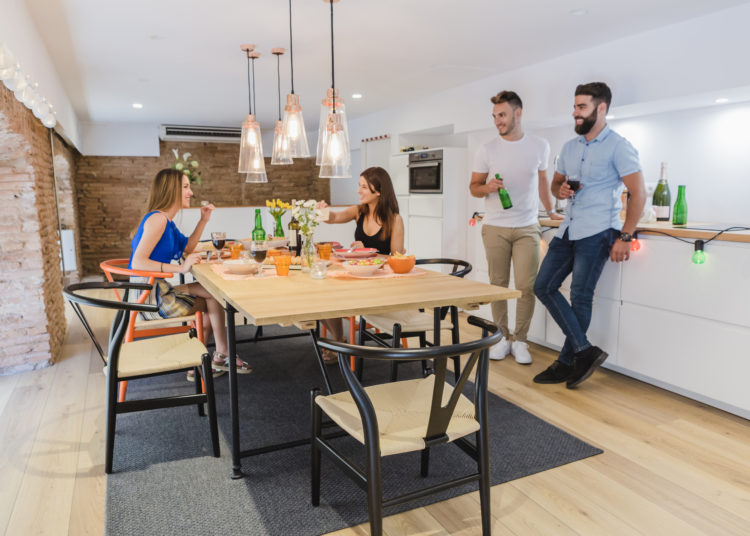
pixel 259 254
pixel 575 184
pixel 218 243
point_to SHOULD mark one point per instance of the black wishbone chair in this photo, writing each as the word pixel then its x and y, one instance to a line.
pixel 407 416
pixel 144 358
pixel 400 325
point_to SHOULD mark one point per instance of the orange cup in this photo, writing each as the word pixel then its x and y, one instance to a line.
pixel 324 250
pixel 282 263
pixel 234 249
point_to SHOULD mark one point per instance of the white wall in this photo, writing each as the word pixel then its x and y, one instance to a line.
pixel 104 139
pixel 18 32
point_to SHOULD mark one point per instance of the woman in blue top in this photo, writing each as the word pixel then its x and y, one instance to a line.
pixel 158 242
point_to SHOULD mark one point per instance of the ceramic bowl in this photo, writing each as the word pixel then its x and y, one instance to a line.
pixel 241 266
pixel 354 268
pixel 402 265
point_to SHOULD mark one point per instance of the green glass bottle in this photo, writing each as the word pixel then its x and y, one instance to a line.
pixel 504 195
pixel 662 200
pixel 258 232
pixel 679 214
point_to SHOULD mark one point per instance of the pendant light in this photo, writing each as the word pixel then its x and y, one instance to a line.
pixel 293 125
pixel 326 108
pixel 280 154
pixel 251 146
pixel 336 159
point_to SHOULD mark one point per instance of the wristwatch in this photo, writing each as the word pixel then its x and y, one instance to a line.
pixel 625 237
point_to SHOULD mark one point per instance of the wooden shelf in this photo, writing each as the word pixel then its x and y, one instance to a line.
pixel 693 230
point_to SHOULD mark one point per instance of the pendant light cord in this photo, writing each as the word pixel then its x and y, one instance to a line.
pixel 278 82
pixel 254 106
pixel 291 46
pixel 333 77
pixel 249 92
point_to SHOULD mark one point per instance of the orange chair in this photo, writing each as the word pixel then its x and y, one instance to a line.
pixel 138 329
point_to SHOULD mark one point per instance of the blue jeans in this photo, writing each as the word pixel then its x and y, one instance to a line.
pixel 585 258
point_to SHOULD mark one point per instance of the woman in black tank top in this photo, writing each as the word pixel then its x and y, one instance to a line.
pixel 379 226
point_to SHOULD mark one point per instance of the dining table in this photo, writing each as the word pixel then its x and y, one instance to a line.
pixel 300 300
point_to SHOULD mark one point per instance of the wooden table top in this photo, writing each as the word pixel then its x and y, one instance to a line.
pixel 299 298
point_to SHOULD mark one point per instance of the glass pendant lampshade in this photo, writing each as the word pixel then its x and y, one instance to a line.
pixel 293 128
pixel 251 149
pixel 336 162
pixel 326 107
pixel 280 155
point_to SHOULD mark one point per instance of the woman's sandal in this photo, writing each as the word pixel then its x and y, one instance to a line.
pixel 244 368
pixel 215 373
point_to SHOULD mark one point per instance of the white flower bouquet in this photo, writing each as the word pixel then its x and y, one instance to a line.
pixel 188 166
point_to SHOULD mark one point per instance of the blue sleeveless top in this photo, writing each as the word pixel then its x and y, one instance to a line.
pixel 169 247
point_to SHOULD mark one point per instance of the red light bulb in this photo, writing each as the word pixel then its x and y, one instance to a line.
pixel 472 222
pixel 635 245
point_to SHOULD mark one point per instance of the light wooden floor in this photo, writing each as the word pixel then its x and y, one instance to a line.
pixel 671 466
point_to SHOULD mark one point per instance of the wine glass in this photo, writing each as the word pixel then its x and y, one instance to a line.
pixel 218 239
pixel 574 182
pixel 259 250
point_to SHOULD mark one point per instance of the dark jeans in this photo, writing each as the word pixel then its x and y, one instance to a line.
pixel 585 258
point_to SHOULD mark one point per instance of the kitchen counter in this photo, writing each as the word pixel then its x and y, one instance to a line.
pixel 695 230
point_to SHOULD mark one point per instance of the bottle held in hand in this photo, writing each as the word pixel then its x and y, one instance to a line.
pixel 662 199
pixel 679 214
pixel 258 232
pixel 504 195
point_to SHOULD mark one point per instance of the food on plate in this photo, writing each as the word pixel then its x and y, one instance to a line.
pixel 363 266
pixel 400 263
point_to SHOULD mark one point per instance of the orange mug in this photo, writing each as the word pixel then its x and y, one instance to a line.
pixel 234 249
pixel 282 263
pixel 324 250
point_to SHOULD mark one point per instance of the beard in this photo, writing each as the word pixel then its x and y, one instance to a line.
pixel 509 127
pixel 588 123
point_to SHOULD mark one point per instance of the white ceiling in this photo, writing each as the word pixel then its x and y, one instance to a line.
pixel 182 60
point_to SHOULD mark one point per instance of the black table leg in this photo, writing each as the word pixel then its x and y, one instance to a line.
pixel 233 398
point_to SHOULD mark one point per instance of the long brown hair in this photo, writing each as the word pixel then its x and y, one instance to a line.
pixel 379 181
pixel 165 190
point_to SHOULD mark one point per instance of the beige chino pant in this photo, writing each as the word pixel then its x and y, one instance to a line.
pixel 521 245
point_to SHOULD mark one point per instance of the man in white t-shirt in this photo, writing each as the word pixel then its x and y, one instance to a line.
pixel 520 160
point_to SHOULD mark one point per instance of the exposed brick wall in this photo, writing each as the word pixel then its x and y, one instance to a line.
pixel 112 191
pixel 32 313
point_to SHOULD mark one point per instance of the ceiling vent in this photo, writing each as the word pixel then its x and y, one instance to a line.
pixel 191 133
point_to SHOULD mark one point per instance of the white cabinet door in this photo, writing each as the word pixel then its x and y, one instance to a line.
pixel 403 209
pixel 399 173
pixel 425 236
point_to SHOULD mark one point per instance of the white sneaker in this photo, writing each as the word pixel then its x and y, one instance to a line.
pixel 500 350
pixel 520 351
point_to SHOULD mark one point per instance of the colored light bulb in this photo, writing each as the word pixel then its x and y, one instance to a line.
pixel 635 245
pixel 699 256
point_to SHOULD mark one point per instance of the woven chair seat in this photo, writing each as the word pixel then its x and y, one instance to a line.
pixel 410 321
pixel 403 411
pixel 159 354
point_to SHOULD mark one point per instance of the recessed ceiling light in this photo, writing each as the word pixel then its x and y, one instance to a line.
pixel 356 95
pixel 137 105
pixel 578 12
pixel 721 100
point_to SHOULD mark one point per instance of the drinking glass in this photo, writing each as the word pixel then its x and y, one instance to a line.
pixel 235 248
pixel 259 250
pixel 324 250
pixel 282 263
pixel 218 239
pixel 574 181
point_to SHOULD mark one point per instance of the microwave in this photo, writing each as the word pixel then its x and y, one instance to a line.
pixel 426 172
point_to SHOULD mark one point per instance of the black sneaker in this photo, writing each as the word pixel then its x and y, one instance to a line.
pixel 584 364
pixel 557 372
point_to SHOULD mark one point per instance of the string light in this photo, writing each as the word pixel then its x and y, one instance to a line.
pixel 699 257
pixel 635 244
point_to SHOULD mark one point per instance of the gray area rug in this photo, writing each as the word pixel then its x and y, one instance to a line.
pixel 167 483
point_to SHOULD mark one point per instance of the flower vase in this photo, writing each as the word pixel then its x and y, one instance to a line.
pixel 308 252
pixel 278 230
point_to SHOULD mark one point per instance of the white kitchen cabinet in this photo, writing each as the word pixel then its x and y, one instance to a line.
pixel 403 209
pixel 399 172
pixel 426 236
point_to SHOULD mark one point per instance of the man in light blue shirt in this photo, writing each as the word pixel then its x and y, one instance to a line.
pixel 592 170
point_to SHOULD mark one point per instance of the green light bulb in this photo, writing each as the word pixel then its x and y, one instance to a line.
pixel 699 257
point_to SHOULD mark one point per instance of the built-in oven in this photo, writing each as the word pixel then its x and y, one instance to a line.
pixel 426 172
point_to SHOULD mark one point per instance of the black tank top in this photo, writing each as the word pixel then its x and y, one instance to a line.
pixel 383 246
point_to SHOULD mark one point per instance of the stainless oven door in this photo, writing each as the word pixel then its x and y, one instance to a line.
pixel 426 177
